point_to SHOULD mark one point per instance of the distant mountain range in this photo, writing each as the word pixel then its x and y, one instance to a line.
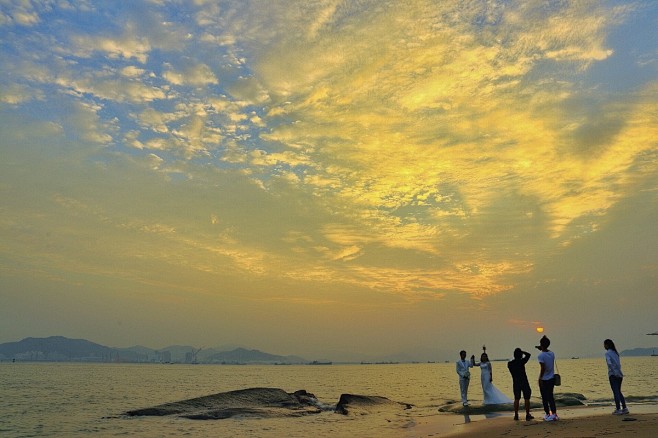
pixel 640 352
pixel 62 349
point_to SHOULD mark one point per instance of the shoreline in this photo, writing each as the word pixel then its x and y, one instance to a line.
pixel 589 421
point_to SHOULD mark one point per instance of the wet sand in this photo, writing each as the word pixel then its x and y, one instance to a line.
pixel 574 422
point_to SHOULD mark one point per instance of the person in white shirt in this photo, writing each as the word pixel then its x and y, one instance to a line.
pixel 464 374
pixel 615 375
pixel 547 379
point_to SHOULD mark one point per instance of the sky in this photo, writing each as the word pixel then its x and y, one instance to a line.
pixel 332 179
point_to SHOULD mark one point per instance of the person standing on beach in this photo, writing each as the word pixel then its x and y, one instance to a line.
pixel 464 374
pixel 520 382
pixel 615 375
pixel 547 378
pixel 492 395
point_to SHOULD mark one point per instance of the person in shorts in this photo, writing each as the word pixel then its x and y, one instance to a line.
pixel 520 382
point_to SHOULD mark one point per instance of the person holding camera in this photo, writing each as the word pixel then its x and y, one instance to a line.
pixel 520 382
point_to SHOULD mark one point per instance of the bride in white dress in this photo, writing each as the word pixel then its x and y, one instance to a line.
pixel 492 395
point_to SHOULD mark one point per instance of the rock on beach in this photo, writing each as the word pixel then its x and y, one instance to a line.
pixel 252 402
pixel 561 400
pixel 267 403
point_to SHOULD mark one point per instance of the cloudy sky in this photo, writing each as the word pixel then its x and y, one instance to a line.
pixel 334 179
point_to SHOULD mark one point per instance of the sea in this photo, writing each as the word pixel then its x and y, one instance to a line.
pixel 90 399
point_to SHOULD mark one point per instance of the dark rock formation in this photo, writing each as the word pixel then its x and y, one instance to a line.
pixel 266 403
pixel 252 402
pixel 273 402
pixel 561 400
pixel 457 408
pixel 362 404
pixel 569 399
pixel 575 395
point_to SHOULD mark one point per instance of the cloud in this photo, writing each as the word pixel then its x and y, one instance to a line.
pixel 113 88
pixel 195 75
pixel 16 93
pixel 86 122
pixel 20 14
pixel 406 127
pixel 468 140
pixel 132 71
pixel 125 47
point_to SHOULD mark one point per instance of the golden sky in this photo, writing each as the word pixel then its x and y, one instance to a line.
pixel 335 179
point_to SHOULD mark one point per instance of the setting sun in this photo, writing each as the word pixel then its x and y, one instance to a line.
pixel 540 329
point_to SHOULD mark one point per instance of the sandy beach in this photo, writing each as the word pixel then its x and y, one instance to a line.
pixel 574 422
pixel 643 425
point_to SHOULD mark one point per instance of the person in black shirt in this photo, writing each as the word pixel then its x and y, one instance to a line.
pixel 520 382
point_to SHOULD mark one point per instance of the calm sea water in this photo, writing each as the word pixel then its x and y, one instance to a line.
pixel 80 399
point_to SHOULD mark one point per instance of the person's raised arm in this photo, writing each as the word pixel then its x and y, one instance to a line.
pixel 526 356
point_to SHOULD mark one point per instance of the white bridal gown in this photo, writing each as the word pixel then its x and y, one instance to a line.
pixel 492 395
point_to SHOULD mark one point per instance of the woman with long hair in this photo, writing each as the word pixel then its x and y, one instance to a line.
pixel 492 395
pixel 615 375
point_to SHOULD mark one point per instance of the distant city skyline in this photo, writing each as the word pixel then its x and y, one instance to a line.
pixel 333 179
